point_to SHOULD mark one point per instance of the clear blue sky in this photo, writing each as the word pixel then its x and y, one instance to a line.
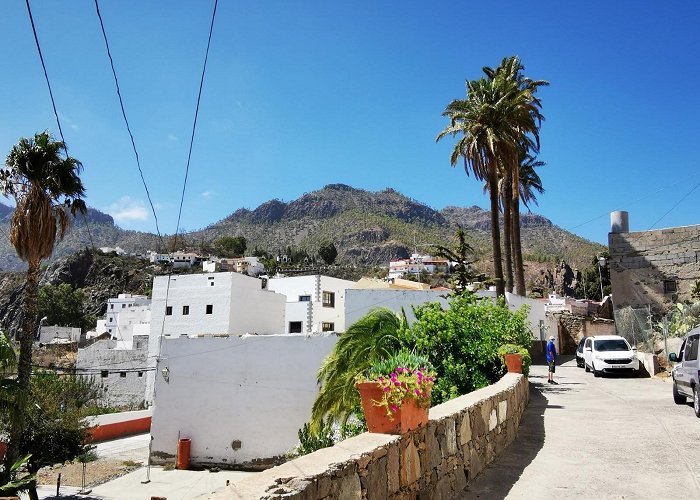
pixel 302 94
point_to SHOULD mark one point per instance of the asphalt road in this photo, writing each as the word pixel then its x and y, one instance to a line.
pixel 597 438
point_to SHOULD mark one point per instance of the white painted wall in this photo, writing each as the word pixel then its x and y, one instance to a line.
pixel 255 389
pixel 239 305
pixel 542 325
pixel 358 302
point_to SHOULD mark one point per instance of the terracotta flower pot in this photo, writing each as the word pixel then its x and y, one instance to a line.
pixel 408 417
pixel 514 363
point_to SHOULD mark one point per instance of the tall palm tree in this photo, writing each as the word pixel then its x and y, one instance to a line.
pixel 371 338
pixel 485 141
pixel 519 91
pixel 46 187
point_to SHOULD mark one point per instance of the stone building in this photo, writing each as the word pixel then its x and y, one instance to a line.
pixel 652 268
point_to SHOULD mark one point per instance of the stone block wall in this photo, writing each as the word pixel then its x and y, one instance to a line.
pixel 433 462
pixel 640 262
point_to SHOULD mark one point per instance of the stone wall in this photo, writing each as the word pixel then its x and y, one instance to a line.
pixel 433 462
pixel 641 262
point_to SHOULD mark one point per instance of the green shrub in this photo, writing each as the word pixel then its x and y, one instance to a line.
pixel 516 349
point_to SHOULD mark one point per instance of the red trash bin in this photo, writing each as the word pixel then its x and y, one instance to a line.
pixel 183 454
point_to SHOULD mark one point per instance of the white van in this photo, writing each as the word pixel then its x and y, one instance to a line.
pixel 685 373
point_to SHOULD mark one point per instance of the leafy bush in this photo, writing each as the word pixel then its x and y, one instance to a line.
pixel 310 441
pixel 462 341
pixel 516 349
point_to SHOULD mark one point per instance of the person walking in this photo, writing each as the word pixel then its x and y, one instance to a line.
pixel 551 359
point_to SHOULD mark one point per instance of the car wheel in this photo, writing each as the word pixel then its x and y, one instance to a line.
pixel 596 373
pixel 585 365
pixel 696 402
pixel 678 398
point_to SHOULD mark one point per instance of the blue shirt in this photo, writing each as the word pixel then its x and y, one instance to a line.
pixel 551 352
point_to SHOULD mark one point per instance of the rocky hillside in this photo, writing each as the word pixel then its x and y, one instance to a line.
pixel 368 228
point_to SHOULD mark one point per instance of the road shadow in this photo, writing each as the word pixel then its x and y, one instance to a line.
pixel 500 476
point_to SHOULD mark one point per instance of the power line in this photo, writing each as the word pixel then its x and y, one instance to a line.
pixel 674 206
pixel 196 113
pixel 126 121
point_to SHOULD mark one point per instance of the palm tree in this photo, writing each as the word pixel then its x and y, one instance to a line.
pixel 46 187
pixel 491 121
pixel 371 338
pixel 526 117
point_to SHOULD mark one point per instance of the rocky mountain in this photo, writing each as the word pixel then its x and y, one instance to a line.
pixel 367 228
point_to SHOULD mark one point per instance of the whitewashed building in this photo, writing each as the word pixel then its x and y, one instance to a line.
pixel 314 303
pixel 127 315
pixel 241 400
pixel 416 264
pixel 244 265
pixel 210 304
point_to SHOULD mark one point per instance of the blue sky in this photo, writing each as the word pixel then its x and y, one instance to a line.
pixel 302 94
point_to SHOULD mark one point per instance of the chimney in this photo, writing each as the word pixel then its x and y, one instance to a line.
pixel 619 222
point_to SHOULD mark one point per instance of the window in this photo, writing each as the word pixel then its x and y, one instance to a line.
pixel 295 327
pixel 111 306
pixel 211 283
pixel 185 310
pixel 210 308
pixel 304 298
pixel 140 374
pixel 168 310
pixel 122 374
pixel 104 373
pixel 670 286
pixel 109 330
pixel 328 299
pixel 692 349
pixel 123 306
pixel 327 327
pixel 110 319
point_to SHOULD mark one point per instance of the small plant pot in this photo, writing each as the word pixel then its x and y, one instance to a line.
pixel 514 363
pixel 410 416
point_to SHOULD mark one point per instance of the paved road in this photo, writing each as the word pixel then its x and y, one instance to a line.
pixel 590 438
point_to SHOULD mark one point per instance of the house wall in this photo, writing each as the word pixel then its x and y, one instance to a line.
pixel 294 286
pixel 641 261
pixel 436 461
pixel 239 305
pixel 125 382
pixel 358 302
pixel 241 400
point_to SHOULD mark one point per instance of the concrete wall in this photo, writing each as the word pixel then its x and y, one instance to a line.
pixel 117 425
pixel 434 462
pixel 120 372
pixel 358 302
pixel 241 400
pixel 53 333
pixel 641 261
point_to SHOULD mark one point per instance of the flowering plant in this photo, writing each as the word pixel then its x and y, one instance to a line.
pixel 402 376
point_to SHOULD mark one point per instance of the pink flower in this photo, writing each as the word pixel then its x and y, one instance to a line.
pixel 394 408
pixel 397 384
pixel 386 389
pixel 417 392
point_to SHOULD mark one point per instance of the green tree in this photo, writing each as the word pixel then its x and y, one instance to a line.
pixel 523 116
pixel 328 253
pixel 369 339
pixel 230 246
pixel 462 257
pixel 47 188
pixel 62 305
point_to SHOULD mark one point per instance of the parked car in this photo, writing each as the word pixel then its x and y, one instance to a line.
pixel 685 374
pixel 609 354
pixel 579 353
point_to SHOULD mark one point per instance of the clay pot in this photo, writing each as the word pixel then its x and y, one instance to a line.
pixel 514 363
pixel 409 416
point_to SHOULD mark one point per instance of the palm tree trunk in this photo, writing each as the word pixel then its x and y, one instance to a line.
pixel 24 363
pixel 508 235
pixel 496 231
pixel 517 245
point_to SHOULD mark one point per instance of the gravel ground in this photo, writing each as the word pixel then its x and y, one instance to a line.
pixel 96 472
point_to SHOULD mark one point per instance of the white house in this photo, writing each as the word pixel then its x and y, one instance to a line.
pixel 210 303
pixel 415 264
pixel 240 400
pixel 183 259
pixel 127 315
pixel 244 265
pixel 314 303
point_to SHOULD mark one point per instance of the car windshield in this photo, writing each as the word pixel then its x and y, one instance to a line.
pixel 611 345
